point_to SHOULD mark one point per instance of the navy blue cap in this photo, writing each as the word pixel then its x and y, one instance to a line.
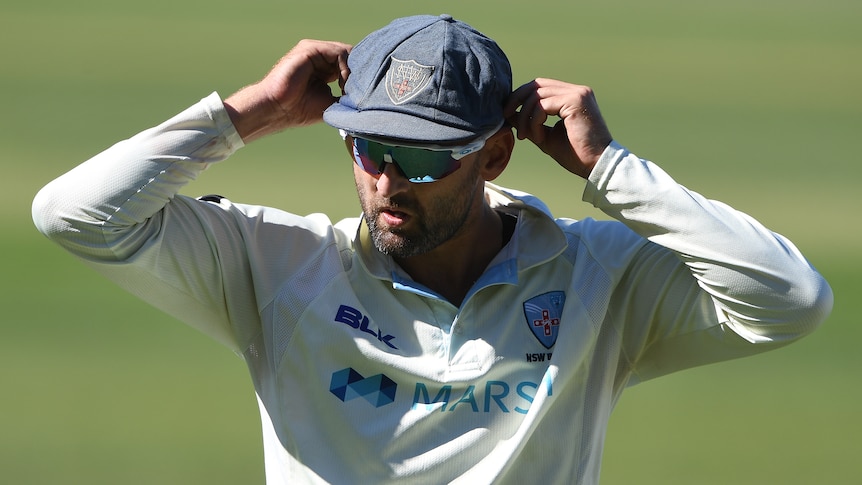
pixel 424 78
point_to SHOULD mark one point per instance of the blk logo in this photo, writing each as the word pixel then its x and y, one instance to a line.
pixel 355 319
pixel 543 316
pixel 347 384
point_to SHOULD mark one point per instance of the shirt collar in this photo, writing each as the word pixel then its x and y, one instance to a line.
pixel 536 240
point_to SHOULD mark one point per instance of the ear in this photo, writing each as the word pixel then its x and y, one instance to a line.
pixel 495 155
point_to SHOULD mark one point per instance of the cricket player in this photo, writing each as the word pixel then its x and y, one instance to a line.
pixel 456 331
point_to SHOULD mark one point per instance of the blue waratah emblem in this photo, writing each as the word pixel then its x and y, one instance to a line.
pixel 543 316
pixel 406 79
pixel 347 384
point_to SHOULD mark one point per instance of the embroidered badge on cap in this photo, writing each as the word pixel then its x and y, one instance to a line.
pixel 406 79
pixel 543 314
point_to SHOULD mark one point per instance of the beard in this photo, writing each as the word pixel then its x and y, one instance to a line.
pixel 431 224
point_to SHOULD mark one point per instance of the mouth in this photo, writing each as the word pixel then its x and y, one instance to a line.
pixel 393 217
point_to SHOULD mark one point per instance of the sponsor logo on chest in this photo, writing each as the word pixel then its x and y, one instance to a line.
pixel 482 397
pixel 542 313
pixel 355 319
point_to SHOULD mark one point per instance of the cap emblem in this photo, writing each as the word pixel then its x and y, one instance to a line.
pixel 406 79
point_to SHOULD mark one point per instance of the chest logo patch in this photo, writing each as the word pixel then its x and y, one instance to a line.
pixel 543 314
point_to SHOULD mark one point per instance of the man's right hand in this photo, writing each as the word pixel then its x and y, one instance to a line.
pixel 294 93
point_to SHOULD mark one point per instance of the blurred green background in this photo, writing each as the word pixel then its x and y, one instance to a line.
pixel 755 103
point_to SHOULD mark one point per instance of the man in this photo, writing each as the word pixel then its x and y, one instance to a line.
pixel 456 332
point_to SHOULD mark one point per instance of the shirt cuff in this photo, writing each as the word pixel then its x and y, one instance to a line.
pixel 218 113
pixel 602 171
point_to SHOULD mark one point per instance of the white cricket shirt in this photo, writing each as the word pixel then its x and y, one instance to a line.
pixel 364 376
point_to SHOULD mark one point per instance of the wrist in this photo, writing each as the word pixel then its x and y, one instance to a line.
pixel 252 113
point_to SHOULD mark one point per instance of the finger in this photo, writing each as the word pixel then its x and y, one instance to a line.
pixel 564 99
pixel 514 121
pixel 519 118
pixel 538 100
pixel 536 122
pixel 343 69
pixel 329 60
pixel 526 113
pixel 517 98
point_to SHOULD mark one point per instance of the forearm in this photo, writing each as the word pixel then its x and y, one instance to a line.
pixel 254 114
pixel 763 288
pixel 94 209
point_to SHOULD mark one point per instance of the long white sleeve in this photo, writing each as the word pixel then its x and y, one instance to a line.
pixel 760 285
pixel 91 209
pixel 119 211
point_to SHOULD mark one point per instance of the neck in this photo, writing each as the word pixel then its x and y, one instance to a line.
pixel 452 268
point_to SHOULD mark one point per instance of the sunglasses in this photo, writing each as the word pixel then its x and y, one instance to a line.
pixel 418 163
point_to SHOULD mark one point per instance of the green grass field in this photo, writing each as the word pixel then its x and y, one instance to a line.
pixel 756 103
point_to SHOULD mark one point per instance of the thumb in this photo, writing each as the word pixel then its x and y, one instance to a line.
pixel 555 142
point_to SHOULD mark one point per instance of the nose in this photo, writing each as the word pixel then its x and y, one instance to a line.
pixel 391 181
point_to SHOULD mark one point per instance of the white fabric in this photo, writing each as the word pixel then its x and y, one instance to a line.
pixel 682 281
